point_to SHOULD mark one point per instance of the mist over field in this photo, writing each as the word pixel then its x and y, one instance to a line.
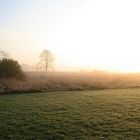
pixel 69 70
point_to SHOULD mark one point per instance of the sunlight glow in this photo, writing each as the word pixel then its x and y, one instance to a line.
pixel 86 34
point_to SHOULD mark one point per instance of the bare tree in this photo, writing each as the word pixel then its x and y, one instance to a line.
pixel 3 54
pixel 46 60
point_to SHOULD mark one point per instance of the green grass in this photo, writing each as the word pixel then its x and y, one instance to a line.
pixel 71 115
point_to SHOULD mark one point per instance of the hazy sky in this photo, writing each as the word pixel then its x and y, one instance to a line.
pixel 101 34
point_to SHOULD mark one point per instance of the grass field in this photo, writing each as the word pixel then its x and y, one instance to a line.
pixel 84 115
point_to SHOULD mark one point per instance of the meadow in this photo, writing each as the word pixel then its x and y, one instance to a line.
pixel 109 114
pixel 66 81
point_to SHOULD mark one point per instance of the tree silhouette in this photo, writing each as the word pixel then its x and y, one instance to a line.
pixel 46 60
pixel 10 68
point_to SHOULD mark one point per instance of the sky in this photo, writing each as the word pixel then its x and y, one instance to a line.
pixel 82 34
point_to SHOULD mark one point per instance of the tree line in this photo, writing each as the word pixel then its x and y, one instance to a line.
pixel 10 68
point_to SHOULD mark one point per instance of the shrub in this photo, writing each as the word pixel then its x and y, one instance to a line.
pixel 10 68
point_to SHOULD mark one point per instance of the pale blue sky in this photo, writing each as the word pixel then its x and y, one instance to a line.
pixel 10 8
pixel 80 33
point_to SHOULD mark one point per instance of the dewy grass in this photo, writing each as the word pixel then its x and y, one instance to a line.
pixel 84 115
